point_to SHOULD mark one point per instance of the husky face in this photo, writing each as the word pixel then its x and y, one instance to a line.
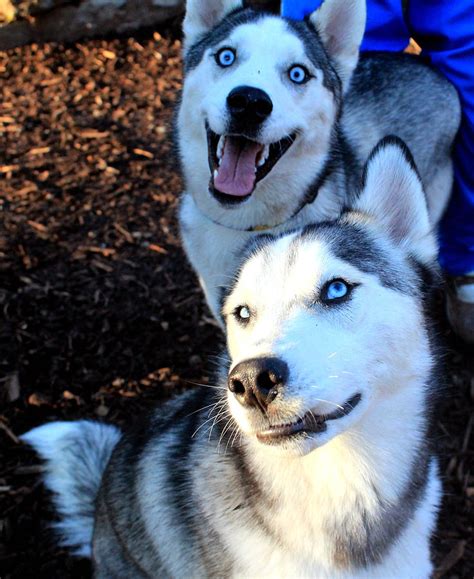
pixel 327 323
pixel 260 100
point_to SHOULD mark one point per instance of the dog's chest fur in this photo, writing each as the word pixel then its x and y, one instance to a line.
pixel 324 516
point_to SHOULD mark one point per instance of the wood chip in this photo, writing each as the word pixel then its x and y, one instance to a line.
pixel 8 168
pixel 70 396
pixel 37 399
pixel 51 81
pixel 103 266
pixel 26 190
pixel 126 234
pixel 144 153
pixel 93 134
pixel 38 151
pixel 37 226
pixel 109 54
pixel 105 251
pixel 157 248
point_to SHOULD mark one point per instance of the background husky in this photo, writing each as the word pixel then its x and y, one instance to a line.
pixel 316 460
pixel 261 138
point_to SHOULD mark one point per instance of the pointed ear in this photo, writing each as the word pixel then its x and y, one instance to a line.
pixel 392 194
pixel 202 15
pixel 341 25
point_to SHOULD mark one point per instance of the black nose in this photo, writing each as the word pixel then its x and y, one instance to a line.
pixel 248 104
pixel 257 382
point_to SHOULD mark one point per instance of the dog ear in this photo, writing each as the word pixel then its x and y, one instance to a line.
pixel 392 194
pixel 341 25
pixel 202 15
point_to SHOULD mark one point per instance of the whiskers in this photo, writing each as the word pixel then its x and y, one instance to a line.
pixel 330 402
pixel 211 386
pixel 217 413
pixel 217 407
pixel 219 361
pixel 336 376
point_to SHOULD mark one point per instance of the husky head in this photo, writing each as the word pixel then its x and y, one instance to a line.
pixel 260 101
pixel 325 325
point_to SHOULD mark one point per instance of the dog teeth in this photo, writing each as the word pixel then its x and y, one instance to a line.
pixel 216 172
pixel 220 148
pixel 264 155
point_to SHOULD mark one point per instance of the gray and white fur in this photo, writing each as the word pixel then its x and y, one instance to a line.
pixel 313 455
pixel 278 117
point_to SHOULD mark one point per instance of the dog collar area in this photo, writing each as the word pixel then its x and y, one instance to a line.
pixel 258 228
pixel 308 200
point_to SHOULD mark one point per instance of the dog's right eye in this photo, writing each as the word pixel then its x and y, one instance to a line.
pixel 299 74
pixel 336 291
pixel 242 314
pixel 226 57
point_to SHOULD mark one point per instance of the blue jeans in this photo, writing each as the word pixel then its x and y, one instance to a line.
pixel 445 30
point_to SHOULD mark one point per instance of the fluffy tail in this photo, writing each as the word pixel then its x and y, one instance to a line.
pixel 76 454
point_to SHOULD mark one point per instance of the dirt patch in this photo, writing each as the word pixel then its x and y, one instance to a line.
pixel 100 315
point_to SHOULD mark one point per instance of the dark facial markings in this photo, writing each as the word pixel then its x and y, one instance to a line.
pixel 218 34
pixel 352 244
pixel 303 30
pixel 317 54
pixel 255 245
pixel 349 243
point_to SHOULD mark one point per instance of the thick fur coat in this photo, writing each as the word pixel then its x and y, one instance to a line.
pixel 277 119
pixel 313 454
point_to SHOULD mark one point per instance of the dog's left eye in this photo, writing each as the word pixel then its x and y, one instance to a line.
pixel 226 57
pixel 335 291
pixel 298 74
pixel 242 313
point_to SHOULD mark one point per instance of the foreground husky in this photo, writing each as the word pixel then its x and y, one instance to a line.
pixel 261 138
pixel 316 460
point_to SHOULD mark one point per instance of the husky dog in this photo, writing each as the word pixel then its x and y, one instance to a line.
pixel 316 459
pixel 264 140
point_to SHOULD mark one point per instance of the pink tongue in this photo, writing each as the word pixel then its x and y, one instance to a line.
pixel 236 173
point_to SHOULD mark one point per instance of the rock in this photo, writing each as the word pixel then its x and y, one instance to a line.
pixel 25 21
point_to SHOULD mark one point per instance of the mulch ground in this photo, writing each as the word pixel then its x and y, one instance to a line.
pixel 100 315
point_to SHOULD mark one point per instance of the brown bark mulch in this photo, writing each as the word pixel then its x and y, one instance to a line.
pixel 100 316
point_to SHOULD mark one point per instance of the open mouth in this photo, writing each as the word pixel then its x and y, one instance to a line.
pixel 310 423
pixel 237 164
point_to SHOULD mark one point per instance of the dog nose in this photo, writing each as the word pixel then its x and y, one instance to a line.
pixel 256 382
pixel 249 104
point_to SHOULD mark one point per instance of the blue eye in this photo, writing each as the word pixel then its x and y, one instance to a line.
pixel 226 57
pixel 335 291
pixel 298 74
pixel 242 313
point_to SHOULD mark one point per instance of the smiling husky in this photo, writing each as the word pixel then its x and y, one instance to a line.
pixel 316 460
pixel 264 139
